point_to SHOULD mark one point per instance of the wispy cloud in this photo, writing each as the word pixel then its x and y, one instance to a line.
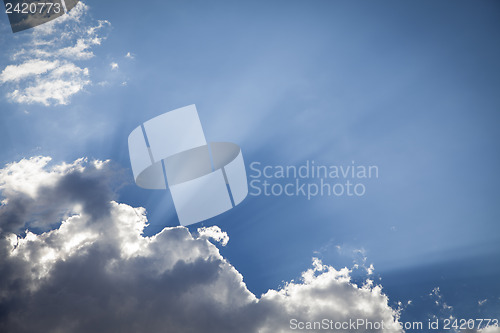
pixel 29 68
pixel 481 302
pixel 57 86
pixel 46 66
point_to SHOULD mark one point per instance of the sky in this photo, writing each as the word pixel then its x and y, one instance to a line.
pixel 408 87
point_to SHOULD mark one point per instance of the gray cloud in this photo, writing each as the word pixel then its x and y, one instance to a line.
pixel 51 200
pixel 95 272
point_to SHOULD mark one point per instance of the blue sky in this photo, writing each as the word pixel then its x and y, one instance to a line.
pixel 411 87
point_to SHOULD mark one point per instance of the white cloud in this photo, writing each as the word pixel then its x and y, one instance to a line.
pixel 28 175
pixel 95 272
pixel 445 311
pixel 76 15
pixel 46 70
pixel 490 329
pixel 130 55
pixel 57 87
pixel 329 294
pixel 438 299
pixel 214 233
pixel 29 68
pixel 81 50
pixel 487 329
pixel 114 65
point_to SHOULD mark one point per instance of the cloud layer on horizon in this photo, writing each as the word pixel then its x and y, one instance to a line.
pixel 94 271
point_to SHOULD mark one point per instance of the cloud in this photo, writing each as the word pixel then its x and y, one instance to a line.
pixel 29 68
pixel 438 300
pixel 81 50
pixel 37 196
pixel 95 271
pixel 46 67
pixel 488 329
pixel 114 65
pixel 446 312
pixel 326 293
pixel 214 233
pixel 57 87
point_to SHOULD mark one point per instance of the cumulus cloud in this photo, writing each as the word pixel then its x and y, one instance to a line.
pixel 37 196
pixel 96 272
pixel 46 68
pixel 214 233
pixel 325 292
